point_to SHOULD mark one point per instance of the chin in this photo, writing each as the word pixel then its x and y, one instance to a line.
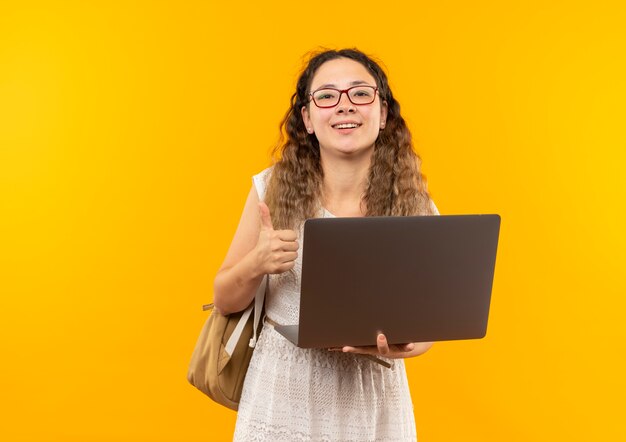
pixel 349 149
pixel 343 151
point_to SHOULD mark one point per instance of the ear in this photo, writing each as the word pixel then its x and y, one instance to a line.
pixel 383 113
pixel 306 119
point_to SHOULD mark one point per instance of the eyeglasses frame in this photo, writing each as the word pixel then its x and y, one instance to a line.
pixel 342 91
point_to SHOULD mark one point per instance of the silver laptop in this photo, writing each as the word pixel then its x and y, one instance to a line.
pixel 415 279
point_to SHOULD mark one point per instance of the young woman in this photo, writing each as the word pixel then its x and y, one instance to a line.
pixel 345 150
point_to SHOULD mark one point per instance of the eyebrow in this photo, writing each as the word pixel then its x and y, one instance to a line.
pixel 352 83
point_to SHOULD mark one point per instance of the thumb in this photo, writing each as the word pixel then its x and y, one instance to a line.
pixel 266 219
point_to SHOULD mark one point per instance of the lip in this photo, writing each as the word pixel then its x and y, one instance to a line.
pixel 333 125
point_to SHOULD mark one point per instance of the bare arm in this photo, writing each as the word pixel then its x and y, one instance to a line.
pixel 256 249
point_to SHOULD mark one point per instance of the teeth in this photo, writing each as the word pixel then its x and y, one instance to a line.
pixel 346 126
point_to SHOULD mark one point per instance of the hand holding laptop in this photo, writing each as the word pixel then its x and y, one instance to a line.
pixel 382 348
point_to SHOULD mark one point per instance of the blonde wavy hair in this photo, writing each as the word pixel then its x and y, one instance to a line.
pixel 395 185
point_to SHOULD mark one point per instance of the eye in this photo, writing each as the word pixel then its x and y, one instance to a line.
pixel 325 95
pixel 365 92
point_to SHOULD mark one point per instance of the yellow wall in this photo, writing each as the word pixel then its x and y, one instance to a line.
pixel 128 135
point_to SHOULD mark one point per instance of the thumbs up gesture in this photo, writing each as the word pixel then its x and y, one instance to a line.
pixel 276 250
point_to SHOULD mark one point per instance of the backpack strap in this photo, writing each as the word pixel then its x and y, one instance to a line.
pixel 257 306
pixel 259 299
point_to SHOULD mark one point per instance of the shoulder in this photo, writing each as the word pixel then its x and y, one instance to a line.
pixel 260 181
pixel 434 207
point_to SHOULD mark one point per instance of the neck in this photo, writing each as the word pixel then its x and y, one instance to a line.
pixel 344 183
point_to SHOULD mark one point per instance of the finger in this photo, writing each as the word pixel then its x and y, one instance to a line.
pixel 290 246
pixel 289 256
pixel 381 342
pixel 285 267
pixel 401 348
pixel 365 350
pixel 286 235
pixel 266 219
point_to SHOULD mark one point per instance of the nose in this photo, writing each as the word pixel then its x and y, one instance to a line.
pixel 345 105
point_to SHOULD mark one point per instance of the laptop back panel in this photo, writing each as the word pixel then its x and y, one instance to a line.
pixel 416 279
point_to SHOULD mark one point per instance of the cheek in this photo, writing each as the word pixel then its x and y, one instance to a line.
pixel 320 117
pixel 374 118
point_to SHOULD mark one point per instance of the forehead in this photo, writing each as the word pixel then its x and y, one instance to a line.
pixel 341 73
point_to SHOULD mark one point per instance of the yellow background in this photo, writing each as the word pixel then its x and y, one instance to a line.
pixel 128 135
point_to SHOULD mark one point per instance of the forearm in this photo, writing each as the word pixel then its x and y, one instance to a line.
pixel 235 287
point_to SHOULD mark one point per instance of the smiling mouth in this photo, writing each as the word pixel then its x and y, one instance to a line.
pixel 346 126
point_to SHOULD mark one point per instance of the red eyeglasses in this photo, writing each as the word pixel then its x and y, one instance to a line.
pixel 330 97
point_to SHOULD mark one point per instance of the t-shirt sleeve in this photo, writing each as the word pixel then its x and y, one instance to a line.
pixel 260 181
